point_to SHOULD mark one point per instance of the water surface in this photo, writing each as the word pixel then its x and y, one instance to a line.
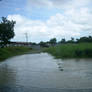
pixel 42 71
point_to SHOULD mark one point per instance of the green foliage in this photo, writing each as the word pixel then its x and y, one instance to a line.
pixel 12 51
pixel 53 41
pixel 71 41
pixel 6 31
pixel 82 50
pixel 63 40
pixel 84 39
pixel 43 44
pixel 80 40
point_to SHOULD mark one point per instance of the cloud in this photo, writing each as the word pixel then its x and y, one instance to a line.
pixel 63 4
pixel 72 23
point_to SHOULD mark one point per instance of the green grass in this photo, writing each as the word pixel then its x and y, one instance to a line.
pixel 82 50
pixel 12 51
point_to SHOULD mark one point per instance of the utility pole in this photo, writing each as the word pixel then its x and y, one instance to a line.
pixel 26 36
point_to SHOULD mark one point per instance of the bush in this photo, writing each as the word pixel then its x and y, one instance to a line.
pixel 78 53
pixel 12 51
pixel 88 52
pixel 81 50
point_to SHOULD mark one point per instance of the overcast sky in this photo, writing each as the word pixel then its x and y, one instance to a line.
pixel 45 19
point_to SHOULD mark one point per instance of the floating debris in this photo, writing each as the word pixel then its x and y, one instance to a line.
pixel 61 69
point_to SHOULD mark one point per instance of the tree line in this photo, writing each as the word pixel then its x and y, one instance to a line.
pixel 54 41
pixel 80 40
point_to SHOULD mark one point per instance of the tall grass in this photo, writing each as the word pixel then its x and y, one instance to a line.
pixel 12 51
pixel 82 50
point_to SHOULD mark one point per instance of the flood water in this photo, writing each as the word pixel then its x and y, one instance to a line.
pixel 42 73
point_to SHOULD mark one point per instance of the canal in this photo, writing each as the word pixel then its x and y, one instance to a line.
pixel 42 73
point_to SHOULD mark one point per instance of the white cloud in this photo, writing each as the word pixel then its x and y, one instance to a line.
pixel 72 23
pixel 63 4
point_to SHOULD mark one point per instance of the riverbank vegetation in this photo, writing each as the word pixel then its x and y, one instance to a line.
pixel 71 50
pixel 12 51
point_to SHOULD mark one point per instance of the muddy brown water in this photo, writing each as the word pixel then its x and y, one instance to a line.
pixel 42 73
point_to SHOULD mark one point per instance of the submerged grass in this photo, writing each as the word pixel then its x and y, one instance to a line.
pixel 81 50
pixel 12 51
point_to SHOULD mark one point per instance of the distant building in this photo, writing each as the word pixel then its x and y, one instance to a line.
pixel 19 44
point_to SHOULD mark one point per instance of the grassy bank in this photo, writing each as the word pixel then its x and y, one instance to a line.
pixel 82 50
pixel 12 51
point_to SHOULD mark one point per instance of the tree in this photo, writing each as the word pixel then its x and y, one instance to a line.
pixel 43 44
pixel 71 41
pixel 53 41
pixel 84 39
pixel 6 31
pixel 63 40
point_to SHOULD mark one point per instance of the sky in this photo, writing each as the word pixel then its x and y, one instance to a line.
pixel 46 19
